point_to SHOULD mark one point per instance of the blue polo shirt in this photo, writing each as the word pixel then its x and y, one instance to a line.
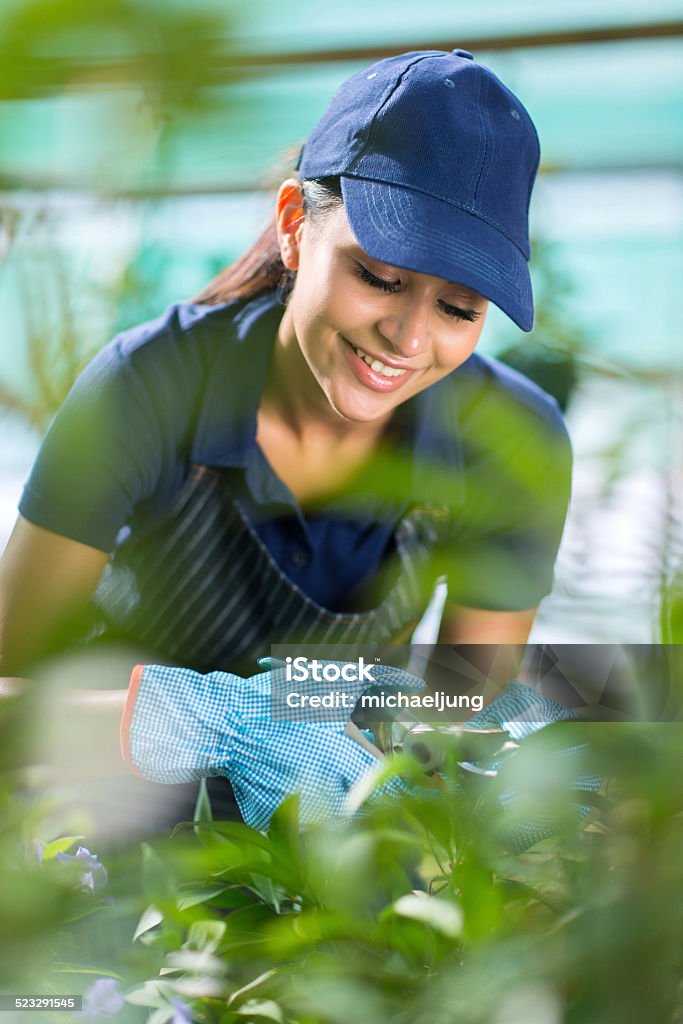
pixel 484 445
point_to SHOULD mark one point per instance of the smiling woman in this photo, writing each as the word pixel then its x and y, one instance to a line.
pixel 353 320
pixel 300 454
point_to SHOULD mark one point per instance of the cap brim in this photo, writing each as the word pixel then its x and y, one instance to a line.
pixel 416 231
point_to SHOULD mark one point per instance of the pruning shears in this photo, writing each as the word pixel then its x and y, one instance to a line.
pixel 430 745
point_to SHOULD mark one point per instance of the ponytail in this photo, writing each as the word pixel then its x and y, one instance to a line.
pixel 260 268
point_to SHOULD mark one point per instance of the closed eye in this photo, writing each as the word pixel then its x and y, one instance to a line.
pixel 453 312
pixel 376 282
pixel 456 313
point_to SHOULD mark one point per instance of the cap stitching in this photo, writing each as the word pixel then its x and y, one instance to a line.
pixel 479 262
pixel 485 125
pixel 458 206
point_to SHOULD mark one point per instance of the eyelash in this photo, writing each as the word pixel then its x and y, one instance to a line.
pixel 376 282
pixel 390 287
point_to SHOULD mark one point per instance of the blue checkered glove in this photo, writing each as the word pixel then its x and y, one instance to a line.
pixel 521 711
pixel 180 726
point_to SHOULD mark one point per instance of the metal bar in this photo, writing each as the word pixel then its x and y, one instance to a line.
pixel 48 183
pixel 514 41
pixel 42 75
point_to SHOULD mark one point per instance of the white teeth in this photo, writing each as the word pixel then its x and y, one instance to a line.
pixel 377 366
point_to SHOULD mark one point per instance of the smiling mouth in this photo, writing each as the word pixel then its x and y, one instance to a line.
pixel 377 365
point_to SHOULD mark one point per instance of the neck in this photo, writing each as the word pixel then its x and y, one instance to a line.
pixel 294 397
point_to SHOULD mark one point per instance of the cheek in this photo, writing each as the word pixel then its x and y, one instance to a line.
pixel 317 308
pixel 453 352
pixel 306 308
pixel 465 342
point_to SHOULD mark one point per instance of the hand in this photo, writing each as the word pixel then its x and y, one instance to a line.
pixel 180 726
pixel 521 711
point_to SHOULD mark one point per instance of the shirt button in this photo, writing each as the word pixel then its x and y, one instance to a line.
pixel 299 558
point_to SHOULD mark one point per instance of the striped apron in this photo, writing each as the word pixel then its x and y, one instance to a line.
pixel 201 590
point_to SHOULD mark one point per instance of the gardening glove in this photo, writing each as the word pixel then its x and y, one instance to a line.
pixel 180 726
pixel 521 711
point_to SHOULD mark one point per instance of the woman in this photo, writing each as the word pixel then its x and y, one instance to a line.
pixel 237 474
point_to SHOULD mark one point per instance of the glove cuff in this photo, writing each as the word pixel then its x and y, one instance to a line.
pixel 521 711
pixel 127 718
pixel 177 724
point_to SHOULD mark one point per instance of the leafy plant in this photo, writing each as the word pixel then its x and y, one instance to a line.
pixel 416 911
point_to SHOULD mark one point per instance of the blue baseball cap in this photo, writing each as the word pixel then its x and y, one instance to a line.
pixel 437 159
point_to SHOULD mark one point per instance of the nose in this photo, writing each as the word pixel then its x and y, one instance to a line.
pixel 407 329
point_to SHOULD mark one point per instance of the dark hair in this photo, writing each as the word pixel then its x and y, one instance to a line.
pixel 260 268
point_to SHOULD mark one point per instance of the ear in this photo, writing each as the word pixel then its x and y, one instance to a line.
pixel 290 221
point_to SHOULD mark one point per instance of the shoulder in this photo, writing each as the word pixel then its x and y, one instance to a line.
pixel 513 489
pixel 483 386
pixel 499 414
pixel 172 365
pixel 159 395
pixel 188 333
pixel 201 369
pixel 184 321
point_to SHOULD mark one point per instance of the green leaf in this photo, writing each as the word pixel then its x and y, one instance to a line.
pixel 157 880
pixel 251 985
pixel 151 917
pixel 268 891
pixel 443 916
pixel 202 807
pixel 99 971
pixel 289 936
pixel 265 1008
pixel 283 830
pixel 237 833
pixel 88 911
pixel 150 994
pixel 60 846
pixel 248 924
pixel 433 816
pixel 205 935
pixel 235 897
pixel 195 960
pixel 193 897
pixel 252 874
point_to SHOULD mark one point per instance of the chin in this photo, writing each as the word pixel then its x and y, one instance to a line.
pixel 361 409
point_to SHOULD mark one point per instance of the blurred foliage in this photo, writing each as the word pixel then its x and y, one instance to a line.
pixel 123 78
pixel 149 56
pixel 47 46
pixel 65 316
pixel 553 354
pixel 57 347
pixel 416 913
